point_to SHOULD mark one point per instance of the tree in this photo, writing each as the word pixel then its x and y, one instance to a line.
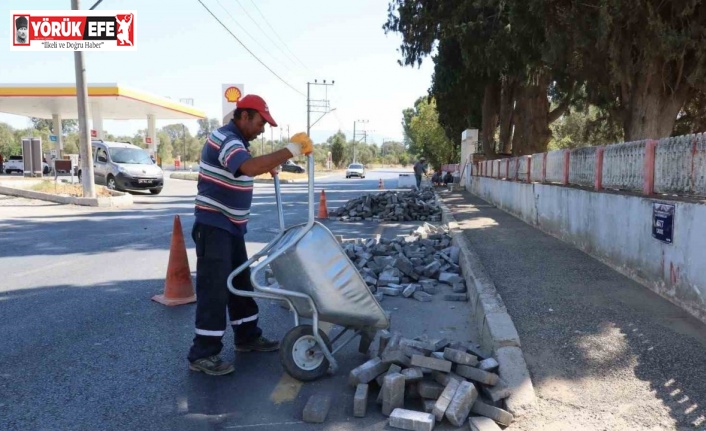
pixel 8 144
pixel 486 49
pixel 164 148
pixel 426 136
pixel 337 143
pixel 206 126
pixel 585 127
pixel 67 126
pixel 643 60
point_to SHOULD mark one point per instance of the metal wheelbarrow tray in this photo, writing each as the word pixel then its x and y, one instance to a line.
pixel 318 281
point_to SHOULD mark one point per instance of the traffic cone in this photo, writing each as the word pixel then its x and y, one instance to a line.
pixel 380 184
pixel 323 211
pixel 178 289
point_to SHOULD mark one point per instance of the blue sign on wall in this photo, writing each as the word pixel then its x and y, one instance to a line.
pixel 52 138
pixel 663 222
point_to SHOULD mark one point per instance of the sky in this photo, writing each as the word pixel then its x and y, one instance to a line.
pixel 183 52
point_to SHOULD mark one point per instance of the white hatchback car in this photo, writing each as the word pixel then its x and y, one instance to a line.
pixel 355 170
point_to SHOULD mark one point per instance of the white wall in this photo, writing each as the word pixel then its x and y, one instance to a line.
pixel 617 229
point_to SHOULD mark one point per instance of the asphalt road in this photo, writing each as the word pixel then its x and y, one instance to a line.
pixel 84 347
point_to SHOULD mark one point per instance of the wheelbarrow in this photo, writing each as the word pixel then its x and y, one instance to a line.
pixel 317 281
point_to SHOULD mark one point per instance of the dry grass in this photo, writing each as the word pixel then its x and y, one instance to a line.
pixel 64 189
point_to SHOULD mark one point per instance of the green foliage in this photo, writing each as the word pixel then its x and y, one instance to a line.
pixel 164 147
pixel 426 137
pixel 67 126
pixel 585 128
pixel 206 126
pixel 337 144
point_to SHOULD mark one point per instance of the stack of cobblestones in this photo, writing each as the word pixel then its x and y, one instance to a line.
pixel 392 206
pixel 422 382
pixel 417 266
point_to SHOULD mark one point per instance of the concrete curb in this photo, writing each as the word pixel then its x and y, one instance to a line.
pixel 497 330
pixel 117 200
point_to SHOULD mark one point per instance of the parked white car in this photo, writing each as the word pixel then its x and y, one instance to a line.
pixel 16 164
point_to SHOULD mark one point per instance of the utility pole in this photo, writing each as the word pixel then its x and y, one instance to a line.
pixel 321 106
pixel 183 132
pixel 355 140
pixel 89 188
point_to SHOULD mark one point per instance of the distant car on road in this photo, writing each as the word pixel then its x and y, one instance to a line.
pixel 355 170
pixel 16 164
pixel 290 166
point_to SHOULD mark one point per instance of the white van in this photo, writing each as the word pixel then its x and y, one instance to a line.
pixel 123 166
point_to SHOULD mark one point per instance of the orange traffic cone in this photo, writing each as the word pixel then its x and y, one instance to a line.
pixel 178 289
pixel 381 186
pixel 323 211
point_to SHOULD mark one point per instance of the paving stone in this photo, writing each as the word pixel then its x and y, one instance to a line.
pixel 412 374
pixel 367 371
pixel 459 288
pixel 393 369
pixel 389 291
pixel 316 408
pixel 489 365
pixel 477 375
pixel 437 355
pixel 396 357
pixel 440 344
pixel 497 392
pixel 497 414
pixel 409 290
pixel 460 297
pixel 425 347
pixel 430 390
pixel 429 405
pixel 431 363
pixel 461 403
pixel 480 423
pixel 360 400
pixel 383 340
pixel 411 420
pixel 445 399
pixel 411 391
pixel 450 278
pixel 444 378
pixel 422 296
pixel 460 357
pixel 392 393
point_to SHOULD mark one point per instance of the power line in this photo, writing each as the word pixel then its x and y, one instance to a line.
pixel 248 50
pixel 280 39
pixel 250 36
pixel 263 31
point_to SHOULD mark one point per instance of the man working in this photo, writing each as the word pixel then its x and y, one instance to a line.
pixel 222 208
pixel 420 168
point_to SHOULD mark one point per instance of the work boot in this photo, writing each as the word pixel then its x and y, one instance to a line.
pixel 259 344
pixel 213 366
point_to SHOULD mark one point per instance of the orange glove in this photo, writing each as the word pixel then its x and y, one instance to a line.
pixel 300 144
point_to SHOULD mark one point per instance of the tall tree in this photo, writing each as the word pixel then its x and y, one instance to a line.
pixel 206 126
pixel 427 137
pixel 338 148
pixel 643 59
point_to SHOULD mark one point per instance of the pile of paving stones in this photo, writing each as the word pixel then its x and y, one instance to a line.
pixel 417 266
pixel 422 382
pixel 392 206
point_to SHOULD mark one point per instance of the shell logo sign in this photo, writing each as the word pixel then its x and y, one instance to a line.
pixel 232 94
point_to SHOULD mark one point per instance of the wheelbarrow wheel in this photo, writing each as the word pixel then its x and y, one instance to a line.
pixel 301 355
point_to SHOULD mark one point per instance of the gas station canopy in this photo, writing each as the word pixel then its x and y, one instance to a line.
pixel 105 101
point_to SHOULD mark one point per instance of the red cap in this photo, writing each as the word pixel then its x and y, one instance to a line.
pixel 257 103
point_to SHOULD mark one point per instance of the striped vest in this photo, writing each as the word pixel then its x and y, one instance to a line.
pixel 224 194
